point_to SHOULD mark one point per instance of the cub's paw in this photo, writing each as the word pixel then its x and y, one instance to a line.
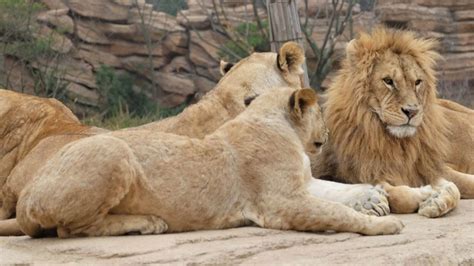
pixel 387 225
pixel 371 201
pixel 445 199
pixel 154 225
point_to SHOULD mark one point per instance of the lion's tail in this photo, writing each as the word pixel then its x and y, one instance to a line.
pixel 10 227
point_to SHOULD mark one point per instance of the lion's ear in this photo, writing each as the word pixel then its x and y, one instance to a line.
pixel 351 51
pixel 291 58
pixel 301 99
pixel 225 67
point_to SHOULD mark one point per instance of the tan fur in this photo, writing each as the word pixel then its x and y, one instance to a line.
pixel 25 120
pixel 251 170
pixel 365 114
pixel 28 120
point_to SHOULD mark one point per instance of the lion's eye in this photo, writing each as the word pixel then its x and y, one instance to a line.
pixel 418 82
pixel 388 81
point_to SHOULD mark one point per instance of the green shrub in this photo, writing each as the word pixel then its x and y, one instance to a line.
pixel 17 19
pixel 118 94
pixel 122 102
pixel 169 6
pixel 31 50
pixel 48 83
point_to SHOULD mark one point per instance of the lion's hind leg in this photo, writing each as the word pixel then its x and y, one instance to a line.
pixel 78 187
pixel 115 224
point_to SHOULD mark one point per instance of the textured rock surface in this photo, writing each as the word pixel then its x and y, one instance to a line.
pixel 443 241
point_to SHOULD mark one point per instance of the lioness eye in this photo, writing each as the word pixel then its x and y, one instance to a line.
pixel 417 82
pixel 388 81
pixel 249 100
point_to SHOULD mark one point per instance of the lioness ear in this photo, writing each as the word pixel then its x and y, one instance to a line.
pixel 300 100
pixel 291 58
pixel 225 67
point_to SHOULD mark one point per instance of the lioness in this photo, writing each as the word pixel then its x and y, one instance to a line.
pixel 386 125
pixel 253 169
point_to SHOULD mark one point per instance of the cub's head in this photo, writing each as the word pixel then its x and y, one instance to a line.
pixel 392 74
pixel 260 73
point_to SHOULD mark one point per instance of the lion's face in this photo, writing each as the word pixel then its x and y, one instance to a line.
pixel 397 93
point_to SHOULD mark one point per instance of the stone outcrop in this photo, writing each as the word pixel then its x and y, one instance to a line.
pixel 180 55
pixel 442 241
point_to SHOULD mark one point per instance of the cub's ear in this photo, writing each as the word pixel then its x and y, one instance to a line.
pixel 300 100
pixel 225 67
pixel 291 58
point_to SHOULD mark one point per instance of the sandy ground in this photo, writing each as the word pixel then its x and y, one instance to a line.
pixel 443 241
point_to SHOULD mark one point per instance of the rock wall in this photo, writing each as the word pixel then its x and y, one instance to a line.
pixel 176 59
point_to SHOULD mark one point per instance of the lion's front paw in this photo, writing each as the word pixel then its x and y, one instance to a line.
pixel 387 225
pixel 444 200
pixel 371 201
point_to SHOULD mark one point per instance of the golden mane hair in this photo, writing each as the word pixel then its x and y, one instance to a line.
pixel 360 147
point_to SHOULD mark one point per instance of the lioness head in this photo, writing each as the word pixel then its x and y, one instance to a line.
pixel 261 72
pixel 397 71
pixel 302 111
pixel 306 116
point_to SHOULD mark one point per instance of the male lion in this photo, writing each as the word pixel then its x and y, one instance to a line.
pixel 251 170
pixel 388 127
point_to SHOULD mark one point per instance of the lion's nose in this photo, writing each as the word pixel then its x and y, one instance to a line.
pixel 410 112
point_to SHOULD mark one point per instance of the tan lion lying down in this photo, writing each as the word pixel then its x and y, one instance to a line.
pixel 251 170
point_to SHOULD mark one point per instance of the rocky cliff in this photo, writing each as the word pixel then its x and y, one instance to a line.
pixel 177 58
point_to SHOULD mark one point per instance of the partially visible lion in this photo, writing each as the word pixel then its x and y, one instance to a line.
pixel 386 125
pixel 253 169
pixel 26 121
pixel 34 129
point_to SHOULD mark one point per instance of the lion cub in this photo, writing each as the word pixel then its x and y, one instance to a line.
pixel 253 169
